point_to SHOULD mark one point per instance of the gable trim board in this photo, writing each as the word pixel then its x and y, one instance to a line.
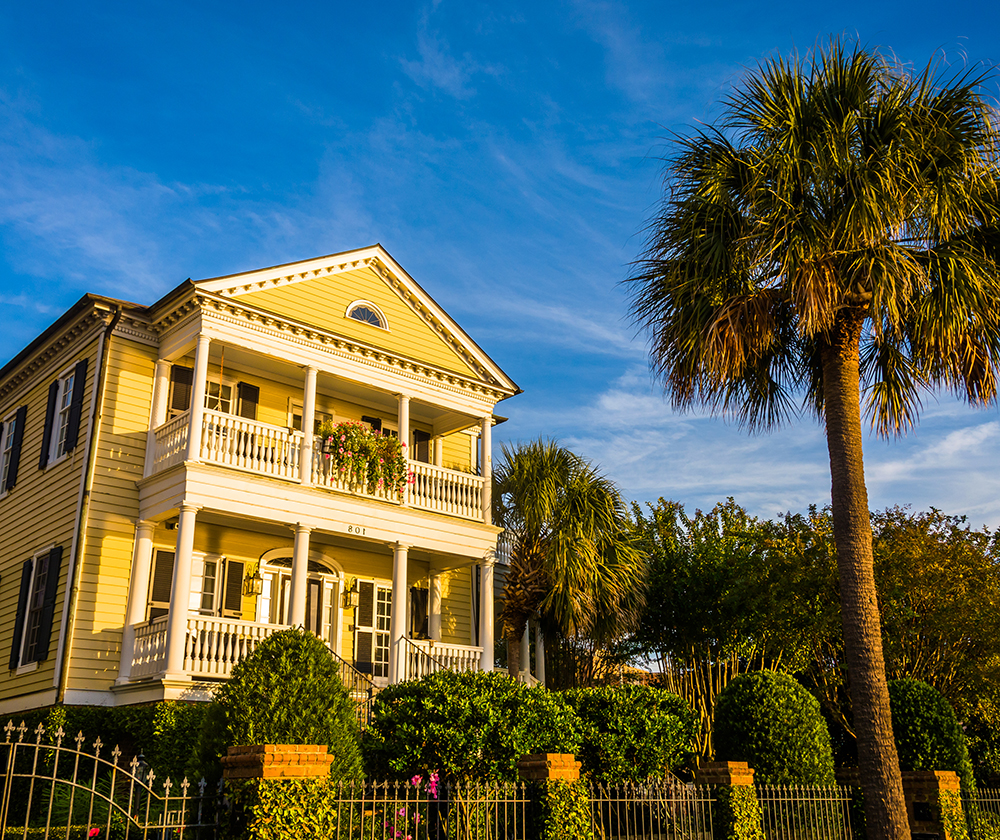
pixel 381 263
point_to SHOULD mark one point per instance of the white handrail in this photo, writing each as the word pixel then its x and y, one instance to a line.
pixel 171 442
pixel 249 445
pixel 445 491
pixel 150 655
pixel 426 656
pixel 215 645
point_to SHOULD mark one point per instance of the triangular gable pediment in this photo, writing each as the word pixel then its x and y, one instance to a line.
pixel 320 291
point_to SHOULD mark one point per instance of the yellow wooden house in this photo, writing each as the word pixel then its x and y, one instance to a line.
pixel 166 501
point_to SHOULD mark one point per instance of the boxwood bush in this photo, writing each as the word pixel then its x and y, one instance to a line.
pixel 632 732
pixel 466 725
pixel 288 691
pixel 772 722
pixel 928 735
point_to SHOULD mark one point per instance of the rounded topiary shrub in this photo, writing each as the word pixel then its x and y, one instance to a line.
pixel 465 725
pixel 928 736
pixel 632 732
pixel 288 691
pixel 772 722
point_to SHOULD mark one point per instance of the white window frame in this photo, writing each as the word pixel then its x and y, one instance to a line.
pixel 22 666
pixel 60 419
pixel 295 410
pixel 7 430
pixel 374 308
pixel 231 384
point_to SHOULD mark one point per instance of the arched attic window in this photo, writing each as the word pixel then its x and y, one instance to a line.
pixel 368 313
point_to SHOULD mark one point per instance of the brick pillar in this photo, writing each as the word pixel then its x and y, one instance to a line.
pixel 737 814
pixel 544 767
pixel 933 804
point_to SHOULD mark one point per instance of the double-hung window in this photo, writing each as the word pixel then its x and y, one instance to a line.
pixel 35 607
pixel 62 415
pixel 225 396
pixel 11 435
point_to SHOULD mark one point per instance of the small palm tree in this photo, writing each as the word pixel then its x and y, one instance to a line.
pixel 571 554
pixel 835 238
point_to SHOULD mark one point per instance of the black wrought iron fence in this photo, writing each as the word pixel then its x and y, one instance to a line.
pixel 71 788
pixel 805 812
pixel 666 810
pixel 982 813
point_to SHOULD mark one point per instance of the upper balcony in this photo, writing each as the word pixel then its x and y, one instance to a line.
pixel 277 452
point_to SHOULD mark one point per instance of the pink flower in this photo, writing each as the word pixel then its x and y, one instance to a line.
pixel 402 443
pixel 415 781
pixel 94 832
pixel 433 786
pixel 343 437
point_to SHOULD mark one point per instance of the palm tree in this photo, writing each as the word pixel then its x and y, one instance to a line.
pixel 833 235
pixel 571 554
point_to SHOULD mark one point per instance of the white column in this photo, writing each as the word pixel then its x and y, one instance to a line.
pixel 198 397
pixel 308 421
pixel 138 589
pixel 486 612
pixel 397 618
pixel 157 411
pixel 539 653
pixel 434 611
pixel 300 576
pixel 180 593
pixel 439 451
pixel 486 438
pixel 403 423
pixel 526 650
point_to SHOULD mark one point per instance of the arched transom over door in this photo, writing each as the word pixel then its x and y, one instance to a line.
pixel 324 586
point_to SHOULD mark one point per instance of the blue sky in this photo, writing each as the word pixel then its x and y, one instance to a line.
pixel 505 153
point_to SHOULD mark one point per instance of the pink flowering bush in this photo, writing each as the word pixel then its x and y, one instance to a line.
pixel 366 459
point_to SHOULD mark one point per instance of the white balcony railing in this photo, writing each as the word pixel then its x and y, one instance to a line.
pixel 427 656
pixel 274 451
pixel 214 646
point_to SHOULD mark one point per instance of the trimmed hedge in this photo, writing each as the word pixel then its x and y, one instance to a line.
pixel 632 732
pixel 928 735
pixel 466 725
pixel 771 721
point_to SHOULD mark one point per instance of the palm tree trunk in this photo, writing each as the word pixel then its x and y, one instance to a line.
pixel 885 810
pixel 513 655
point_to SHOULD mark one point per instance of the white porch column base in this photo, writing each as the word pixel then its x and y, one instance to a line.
pixel 180 593
pixel 486 612
pixel 198 386
pixel 135 612
pixel 397 618
pixel 434 608
pixel 308 421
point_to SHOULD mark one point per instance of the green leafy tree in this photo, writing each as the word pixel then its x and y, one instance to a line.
pixel 571 554
pixel 834 234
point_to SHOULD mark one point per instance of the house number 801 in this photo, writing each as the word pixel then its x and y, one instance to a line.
pixel 355 529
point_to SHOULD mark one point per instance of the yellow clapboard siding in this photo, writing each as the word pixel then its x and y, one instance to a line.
pixel 323 301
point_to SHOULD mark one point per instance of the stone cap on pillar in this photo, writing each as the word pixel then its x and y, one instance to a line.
pixel 542 767
pixel 729 773
pixel 277 761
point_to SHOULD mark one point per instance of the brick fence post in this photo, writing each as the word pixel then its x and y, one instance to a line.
pixel 934 805
pixel 737 811
pixel 563 798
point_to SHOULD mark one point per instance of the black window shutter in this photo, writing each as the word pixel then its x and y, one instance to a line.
pixel 49 604
pixel 422 446
pixel 50 416
pixel 249 398
pixel 22 604
pixel 181 382
pixel 365 614
pixel 15 449
pixel 76 406
pixel 163 577
pixel 418 612
pixel 233 598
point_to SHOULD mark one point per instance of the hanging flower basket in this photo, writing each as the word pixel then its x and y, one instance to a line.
pixel 365 459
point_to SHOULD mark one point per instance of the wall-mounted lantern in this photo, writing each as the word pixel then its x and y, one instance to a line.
pixel 352 597
pixel 255 582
